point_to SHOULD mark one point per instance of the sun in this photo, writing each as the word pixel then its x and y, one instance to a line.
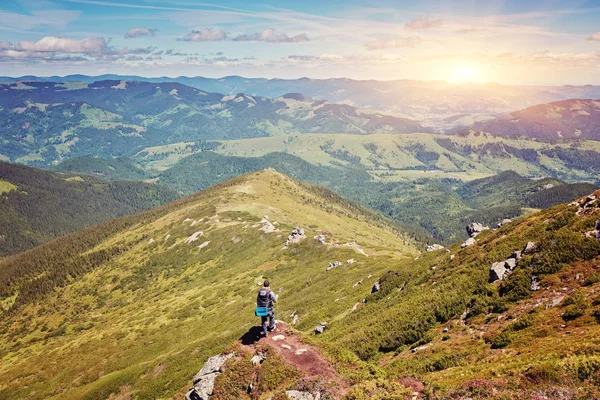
pixel 464 72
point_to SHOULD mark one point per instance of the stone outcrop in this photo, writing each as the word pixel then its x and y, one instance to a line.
pixel 267 226
pixel 204 380
pixel 435 247
pixel 320 328
pixel 504 222
pixel 376 287
pixel 529 248
pixel 469 242
pixel 333 265
pixel 475 228
pixel 302 395
pixel 320 239
pixel 295 237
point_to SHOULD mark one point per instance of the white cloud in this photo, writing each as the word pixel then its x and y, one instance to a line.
pixel 54 18
pixel 595 37
pixel 269 35
pixel 205 35
pixel 5 45
pixel 139 32
pixel 63 45
pixel 411 41
pixel 423 23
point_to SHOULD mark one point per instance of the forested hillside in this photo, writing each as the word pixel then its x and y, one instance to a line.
pixel 37 206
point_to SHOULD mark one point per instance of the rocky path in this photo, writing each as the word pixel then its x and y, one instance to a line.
pixel 303 356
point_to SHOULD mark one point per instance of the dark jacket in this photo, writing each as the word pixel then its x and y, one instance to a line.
pixel 266 298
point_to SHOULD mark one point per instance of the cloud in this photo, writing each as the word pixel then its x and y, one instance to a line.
pixel 63 45
pixel 423 23
pixel 410 41
pixel 594 37
pixel 5 45
pixel 269 35
pixel 139 32
pixel 205 35
pixel 57 19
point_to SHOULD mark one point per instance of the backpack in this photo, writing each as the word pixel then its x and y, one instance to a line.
pixel 264 298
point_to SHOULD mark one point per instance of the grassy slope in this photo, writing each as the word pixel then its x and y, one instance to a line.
pixel 114 168
pixel 158 301
pixel 37 206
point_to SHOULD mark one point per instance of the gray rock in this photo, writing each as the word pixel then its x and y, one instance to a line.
pixel 295 237
pixel 376 287
pixel 204 380
pixel 469 242
pixel 504 222
pixel 511 263
pixel 435 247
pixel 320 239
pixel 475 229
pixel 516 255
pixel 301 395
pixel 498 271
pixel 529 248
pixel 320 328
pixel 597 225
pixel 333 265
pixel 258 358
pixel 535 283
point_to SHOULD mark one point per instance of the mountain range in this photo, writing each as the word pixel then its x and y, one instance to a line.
pixel 439 105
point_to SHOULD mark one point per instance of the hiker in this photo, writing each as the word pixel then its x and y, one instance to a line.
pixel 264 307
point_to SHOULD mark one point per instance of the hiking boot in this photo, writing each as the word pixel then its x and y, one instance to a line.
pixel 271 329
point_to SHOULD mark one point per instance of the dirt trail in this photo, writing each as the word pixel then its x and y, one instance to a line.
pixel 303 356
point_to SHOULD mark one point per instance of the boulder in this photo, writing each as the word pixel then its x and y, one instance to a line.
pixel 320 239
pixel 535 283
pixel 320 328
pixel 516 255
pixel 295 237
pixel 302 395
pixel 597 225
pixel 333 265
pixel 498 271
pixel 435 247
pixel 469 242
pixel 510 264
pixel 376 287
pixel 350 261
pixel 475 228
pixel 204 380
pixel 504 222
pixel 529 248
pixel 258 358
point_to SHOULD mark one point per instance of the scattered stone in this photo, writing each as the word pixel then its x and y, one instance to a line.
pixel 355 307
pixel 350 261
pixel 358 283
pixel 150 241
pixel 302 395
pixel 498 271
pixel 299 352
pixel 204 380
pixel 295 237
pixel 419 348
pixel 333 265
pixel 320 328
pixel 469 242
pixel 556 301
pixel 535 283
pixel 203 245
pixel 475 229
pixel 258 358
pixel 529 248
pixel 577 277
pixel 504 222
pixel 194 237
pixel 517 254
pixel 445 330
pixel 452 257
pixel 267 226
pixel 376 287
pixel 435 247
pixel 286 346
pixel 278 338
pixel 510 263
pixel 295 320
pixel 320 239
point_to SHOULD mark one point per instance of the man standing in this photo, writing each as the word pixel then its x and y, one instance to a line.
pixel 265 300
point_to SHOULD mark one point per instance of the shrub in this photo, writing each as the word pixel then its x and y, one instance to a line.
pixel 577 304
pixel 593 278
pixel 502 340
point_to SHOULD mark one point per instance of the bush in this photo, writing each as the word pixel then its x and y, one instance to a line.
pixel 577 305
pixel 593 278
pixel 502 340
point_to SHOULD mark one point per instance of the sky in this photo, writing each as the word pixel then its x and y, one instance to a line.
pixel 510 42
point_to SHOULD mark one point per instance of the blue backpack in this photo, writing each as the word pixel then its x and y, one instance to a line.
pixel 262 302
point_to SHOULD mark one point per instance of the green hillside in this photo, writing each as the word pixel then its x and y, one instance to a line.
pixel 37 206
pixel 120 168
pixel 133 308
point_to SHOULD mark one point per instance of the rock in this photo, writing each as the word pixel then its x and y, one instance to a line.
pixel 516 255
pixel 511 263
pixel 299 352
pixel 302 395
pixel 193 237
pixel 350 261
pixel 320 239
pixel 258 358
pixel 204 380
pixel 419 348
pixel 435 247
pixel 286 346
pixel 535 283
pixel 295 237
pixel 445 330
pixel 376 287
pixel 597 225
pixel 355 307
pixel 278 338
pixel 320 328
pixel 333 265
pixel 548 186
pixel 295 320
pixel 358 283
pixel 475 229
pixel 469 242
pixel 529 248
pixel 504 222
pixel 452 257
pixel 498 271
pixel 267 226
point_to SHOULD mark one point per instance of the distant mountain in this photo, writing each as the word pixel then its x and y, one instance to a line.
pixel 563 120
pixel 37 206
pixel 438 104
pixel 45 122
pixel 120 168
